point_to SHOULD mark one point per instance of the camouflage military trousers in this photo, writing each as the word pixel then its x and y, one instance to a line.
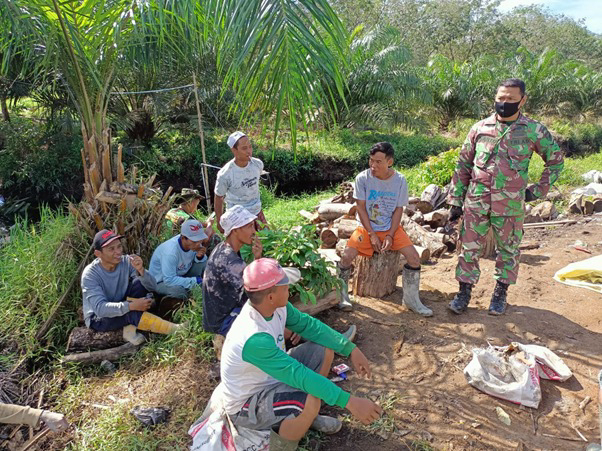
pixel 508 233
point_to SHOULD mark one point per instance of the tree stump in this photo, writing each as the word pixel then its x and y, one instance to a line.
pixel 376 276
pixel 84 339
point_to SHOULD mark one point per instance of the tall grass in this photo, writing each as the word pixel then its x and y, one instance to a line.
pixel 35 268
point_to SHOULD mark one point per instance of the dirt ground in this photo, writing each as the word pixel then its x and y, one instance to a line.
pixel 418 362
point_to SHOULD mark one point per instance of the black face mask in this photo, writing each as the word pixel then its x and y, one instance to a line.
pixel 506 109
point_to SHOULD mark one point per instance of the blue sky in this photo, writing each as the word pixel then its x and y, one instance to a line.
pixel 590 10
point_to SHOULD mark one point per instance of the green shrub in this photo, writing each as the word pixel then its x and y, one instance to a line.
pixel 577 138
pixel 440 169
pixel 38 164
pixel 37 265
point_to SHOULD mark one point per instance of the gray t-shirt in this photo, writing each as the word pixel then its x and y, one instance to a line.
pixel 223 288
pixel 239 185
pixel 382 197
pixel 104 291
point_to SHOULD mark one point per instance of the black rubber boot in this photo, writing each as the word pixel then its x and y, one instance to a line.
pixel 498 299
pixel 460 301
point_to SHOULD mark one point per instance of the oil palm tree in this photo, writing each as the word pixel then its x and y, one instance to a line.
pixel 274 54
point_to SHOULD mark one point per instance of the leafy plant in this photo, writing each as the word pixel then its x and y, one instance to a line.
pixel 439 169
pixel 299 248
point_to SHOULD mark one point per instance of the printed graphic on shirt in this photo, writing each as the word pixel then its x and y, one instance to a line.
pixel 379 201
pixel 248 183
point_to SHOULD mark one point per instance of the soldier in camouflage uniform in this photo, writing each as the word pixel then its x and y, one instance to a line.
pixel 490 189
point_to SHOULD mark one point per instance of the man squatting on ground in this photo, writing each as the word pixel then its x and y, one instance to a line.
pixel 223 292
pixel 265 388
pixel 381 193
pixel 238 181
pixel 490 189
pixel 178 263
pixel 115 289
pixel 189 203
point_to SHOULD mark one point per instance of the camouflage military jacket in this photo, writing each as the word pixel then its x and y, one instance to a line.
pixel 492 171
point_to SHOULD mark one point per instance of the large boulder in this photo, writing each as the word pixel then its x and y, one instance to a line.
pixel 544 211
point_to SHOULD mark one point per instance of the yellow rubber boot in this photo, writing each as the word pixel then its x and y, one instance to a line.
pixel 153 323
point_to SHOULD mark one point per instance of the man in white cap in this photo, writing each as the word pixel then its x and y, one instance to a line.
pixel 238 181
pixel 223 293
pixel 265 388
pixel 178 263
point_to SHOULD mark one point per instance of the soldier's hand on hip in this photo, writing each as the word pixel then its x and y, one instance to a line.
pixel 529 196
pixel 455 213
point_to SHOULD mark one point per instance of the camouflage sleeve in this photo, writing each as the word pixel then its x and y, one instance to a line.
pixel 463 172
pixel 553 158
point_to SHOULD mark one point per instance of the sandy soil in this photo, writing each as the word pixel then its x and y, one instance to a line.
pixel 418 362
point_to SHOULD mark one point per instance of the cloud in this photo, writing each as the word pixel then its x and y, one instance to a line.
pixel 589 10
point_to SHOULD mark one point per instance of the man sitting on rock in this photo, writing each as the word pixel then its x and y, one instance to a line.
pixel 265 388
pixel 178 264
pixel 116 290
pixel 381 193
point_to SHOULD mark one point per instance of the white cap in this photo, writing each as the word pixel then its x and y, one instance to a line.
pixel 234 137
pixel 235 218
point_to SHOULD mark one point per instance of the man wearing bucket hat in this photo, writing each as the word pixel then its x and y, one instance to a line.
pixel 238 181
pixel 188 199
pixel 223 293
pixel 115 289
pixel 178 264
pixel 265 388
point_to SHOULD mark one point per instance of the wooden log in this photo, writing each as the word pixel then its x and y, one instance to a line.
pixel 437 218
pixel 311 217
pixel 346 227
pixel 433 195
pixel 99 356
pixel 329 254
pixel 86 339
pixel 424 207
pixel 376 276
pixel 329 238
pixel 340 247
pixel 420 236
pixel 549 224
pixel 328 301
pixel 328 212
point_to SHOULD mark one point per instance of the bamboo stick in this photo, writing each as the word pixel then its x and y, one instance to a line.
pixel 202 138
pixel 120 169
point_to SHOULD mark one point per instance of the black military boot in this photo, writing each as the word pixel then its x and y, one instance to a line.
pixel 461 299
pixel 498 300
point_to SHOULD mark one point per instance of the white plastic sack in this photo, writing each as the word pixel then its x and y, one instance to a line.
pixel 513 377
pixel 217 433
pixel 214 430
pixel 593 176
pixel 590 190
pixel 550 366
